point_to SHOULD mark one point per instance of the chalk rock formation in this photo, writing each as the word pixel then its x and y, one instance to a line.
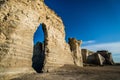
pixel 99 58
pixel 19 20
pixel 85 54
pixel 76 51
pixel 95 59
pixel 107 55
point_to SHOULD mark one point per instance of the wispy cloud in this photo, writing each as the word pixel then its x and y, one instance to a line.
pixel 89 42
pixel 113 47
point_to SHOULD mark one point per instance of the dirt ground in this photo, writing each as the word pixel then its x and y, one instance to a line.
pixel 77 73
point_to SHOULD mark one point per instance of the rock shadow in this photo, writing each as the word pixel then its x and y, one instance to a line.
pixel 38 57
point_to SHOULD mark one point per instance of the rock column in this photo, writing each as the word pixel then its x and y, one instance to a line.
pixel 76 51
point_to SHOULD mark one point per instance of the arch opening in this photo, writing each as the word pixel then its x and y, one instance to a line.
pixel 39 48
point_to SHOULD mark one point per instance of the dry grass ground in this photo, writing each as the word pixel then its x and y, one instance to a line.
pixel 77 73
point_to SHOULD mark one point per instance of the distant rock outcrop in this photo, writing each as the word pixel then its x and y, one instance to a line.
pixel 107 55
pixel 99 58
pixel 95 59
pixel 85 53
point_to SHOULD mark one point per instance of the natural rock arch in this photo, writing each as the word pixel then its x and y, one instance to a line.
pixel 19 20
pixel 38 57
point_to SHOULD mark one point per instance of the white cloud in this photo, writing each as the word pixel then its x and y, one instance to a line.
pixel 113 47
pixel 88 42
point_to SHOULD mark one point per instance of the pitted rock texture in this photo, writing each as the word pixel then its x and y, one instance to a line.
pixel 19 20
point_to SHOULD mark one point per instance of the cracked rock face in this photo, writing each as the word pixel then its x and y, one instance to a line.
pixel 19 20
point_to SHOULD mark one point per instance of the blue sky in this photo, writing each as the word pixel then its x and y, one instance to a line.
pixel 38 35
pixel 95 22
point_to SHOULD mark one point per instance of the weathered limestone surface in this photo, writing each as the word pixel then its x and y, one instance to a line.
pixel 95 59
pixel 85 53
pixel 107 55
pixel 99 58
pixel 19 20
pixel 76 51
